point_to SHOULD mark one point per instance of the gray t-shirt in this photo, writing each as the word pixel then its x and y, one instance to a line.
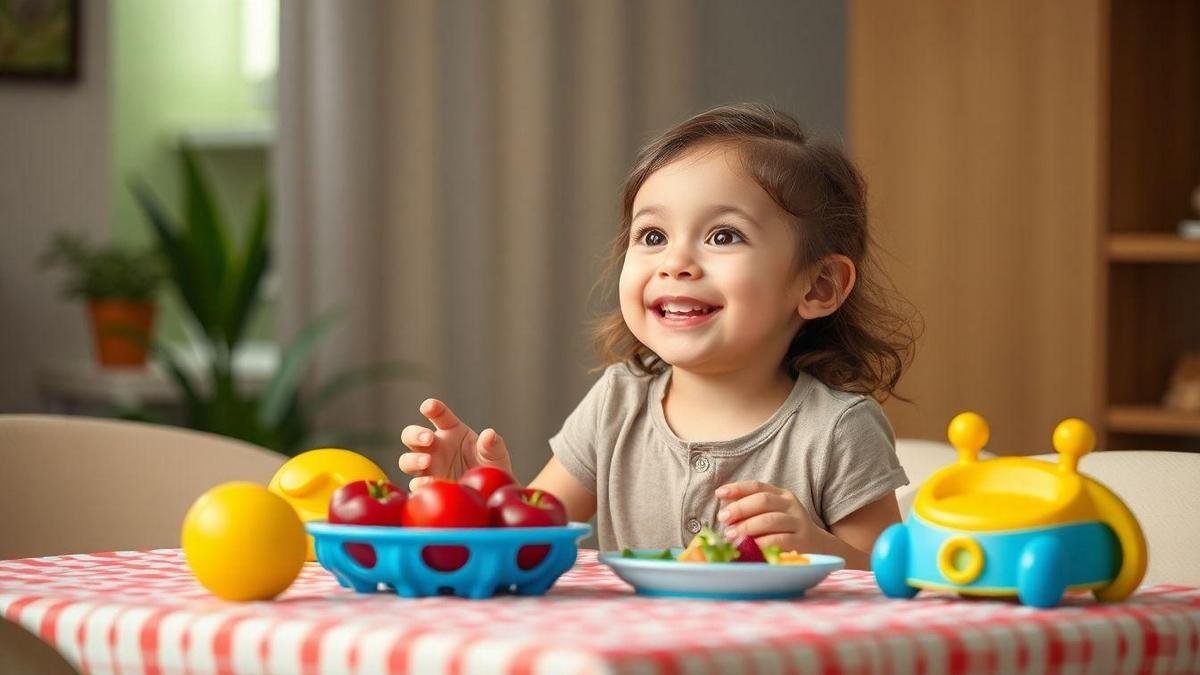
pixel 835 451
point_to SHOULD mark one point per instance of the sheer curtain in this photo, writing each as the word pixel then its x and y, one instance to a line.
pixel 449 174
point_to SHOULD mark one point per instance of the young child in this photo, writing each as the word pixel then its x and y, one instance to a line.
pixel 751 340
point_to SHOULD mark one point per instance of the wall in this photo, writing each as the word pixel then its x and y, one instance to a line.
pixel 176 66
pixel 788 53
pixel 54 175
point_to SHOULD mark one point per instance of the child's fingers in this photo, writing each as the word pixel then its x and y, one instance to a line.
pixel 750 506
pixel 439 414
pixel 772 522
pixel 416 437
pixel 733 491
pixel 490 447
pixel 786 541
pixel 416 463
pixel 416 483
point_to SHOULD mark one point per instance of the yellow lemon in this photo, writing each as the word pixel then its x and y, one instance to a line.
pixel 243 542
pixel 309 479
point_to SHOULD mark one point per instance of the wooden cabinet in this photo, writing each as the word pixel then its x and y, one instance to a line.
pixel 1028 163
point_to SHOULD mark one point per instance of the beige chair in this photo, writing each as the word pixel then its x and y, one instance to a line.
pixel 1161 488
pixel 74 484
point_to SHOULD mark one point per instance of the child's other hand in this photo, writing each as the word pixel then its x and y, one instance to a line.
pixel 770 514
pixel 449 449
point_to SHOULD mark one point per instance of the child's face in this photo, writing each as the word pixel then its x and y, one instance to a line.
pixel 704 230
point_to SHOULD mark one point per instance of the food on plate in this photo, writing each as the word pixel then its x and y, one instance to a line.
pixel 710 547
pixel 748 550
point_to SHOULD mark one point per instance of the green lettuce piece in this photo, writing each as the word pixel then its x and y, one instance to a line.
pixel 664 554
pixel 715 548
pixel 771 553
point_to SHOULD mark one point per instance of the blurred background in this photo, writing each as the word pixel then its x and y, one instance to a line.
pixel 338 209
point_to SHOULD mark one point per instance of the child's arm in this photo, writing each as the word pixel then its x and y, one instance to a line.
pixel 773 515
pixel 555 479
pixel 861 528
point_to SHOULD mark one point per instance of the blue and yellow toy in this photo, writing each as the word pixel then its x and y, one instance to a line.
pixel 1013 526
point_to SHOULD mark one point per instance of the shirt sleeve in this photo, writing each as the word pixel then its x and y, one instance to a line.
pixel 576 443
pixel 861 465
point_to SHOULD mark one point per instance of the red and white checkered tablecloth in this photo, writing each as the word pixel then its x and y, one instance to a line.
pixel 142 611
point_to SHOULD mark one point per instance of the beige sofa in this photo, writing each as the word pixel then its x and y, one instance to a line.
pixel 1161 488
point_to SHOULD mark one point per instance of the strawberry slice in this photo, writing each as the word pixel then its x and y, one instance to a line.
pixel 748 550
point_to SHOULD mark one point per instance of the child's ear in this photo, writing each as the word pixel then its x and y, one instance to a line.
pixel 829 287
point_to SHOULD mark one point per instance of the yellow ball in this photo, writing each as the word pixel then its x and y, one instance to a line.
pixel 242 542
pixel 308 480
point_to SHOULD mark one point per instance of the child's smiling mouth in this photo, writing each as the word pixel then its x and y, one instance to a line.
pixel 679 311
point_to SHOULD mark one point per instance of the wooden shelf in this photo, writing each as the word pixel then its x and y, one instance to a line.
pixel 1150 419
pixel 1153 247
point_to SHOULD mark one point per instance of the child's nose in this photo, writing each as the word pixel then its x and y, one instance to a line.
pixel 679 263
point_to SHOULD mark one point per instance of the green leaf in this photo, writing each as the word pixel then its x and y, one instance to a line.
pixel 207 246
pixel 243 297
pixel 664 554
pixel 771 553
pixel 136 413
pixel 361 375
pixel 179 264
pixel 283 386
pixel 197 410
pixel 103 271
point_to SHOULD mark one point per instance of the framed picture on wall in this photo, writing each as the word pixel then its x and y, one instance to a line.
pixel 39 39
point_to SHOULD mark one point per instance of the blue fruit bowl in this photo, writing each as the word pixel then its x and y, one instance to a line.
pixel 401 558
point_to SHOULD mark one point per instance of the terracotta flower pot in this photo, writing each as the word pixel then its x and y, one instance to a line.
pixel 115 327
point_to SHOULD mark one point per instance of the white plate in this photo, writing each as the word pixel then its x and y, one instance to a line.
pixel 720 581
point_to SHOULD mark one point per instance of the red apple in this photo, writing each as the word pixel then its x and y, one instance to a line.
pixel 514 506
pixel 367 502
pixel 443 503
pixel 486 479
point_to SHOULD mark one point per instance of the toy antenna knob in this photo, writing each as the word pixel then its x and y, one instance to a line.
pixel 968 433
pixel 1073 438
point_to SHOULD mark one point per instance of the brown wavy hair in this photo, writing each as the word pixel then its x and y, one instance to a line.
pixel 864 346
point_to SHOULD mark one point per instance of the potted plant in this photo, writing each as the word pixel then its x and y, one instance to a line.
pixel 118 283
pixel 219 278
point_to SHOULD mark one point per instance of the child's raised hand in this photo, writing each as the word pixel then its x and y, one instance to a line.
pixel 450 448
pixel 769 514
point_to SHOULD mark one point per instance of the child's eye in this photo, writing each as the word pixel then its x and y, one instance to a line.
pixel 649 236
pixel 726 236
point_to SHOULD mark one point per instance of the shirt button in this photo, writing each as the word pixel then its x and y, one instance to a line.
pixel 693 525
pixel 700 463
